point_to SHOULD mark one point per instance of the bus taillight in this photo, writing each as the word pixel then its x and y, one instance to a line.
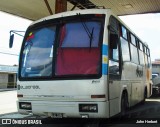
pixel 98 96
pixel 19 95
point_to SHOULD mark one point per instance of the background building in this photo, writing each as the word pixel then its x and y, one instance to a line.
pixel 8 76
pixel 156 66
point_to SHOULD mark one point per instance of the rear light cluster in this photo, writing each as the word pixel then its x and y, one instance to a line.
pixel 19 95
pixel 25 105
pixel 98 96
pixel 88 108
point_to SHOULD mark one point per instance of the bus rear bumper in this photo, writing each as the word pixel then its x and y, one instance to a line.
pixel 65 109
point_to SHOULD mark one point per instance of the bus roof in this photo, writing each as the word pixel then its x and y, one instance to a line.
pixel 87 11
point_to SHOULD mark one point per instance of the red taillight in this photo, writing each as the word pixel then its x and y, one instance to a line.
pixel 19 95
pixel 98 96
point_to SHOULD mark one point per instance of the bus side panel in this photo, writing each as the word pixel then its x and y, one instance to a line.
pixel 148 75
pixel 114 92
pixel 135 94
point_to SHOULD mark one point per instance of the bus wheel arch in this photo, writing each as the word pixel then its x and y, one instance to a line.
pixel 145 95
pixel 145 92
pixel 124 102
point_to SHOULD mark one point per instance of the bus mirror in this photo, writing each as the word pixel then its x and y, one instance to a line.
pixel 113 41
pixel 11 39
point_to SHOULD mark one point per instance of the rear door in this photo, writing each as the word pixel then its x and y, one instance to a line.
pixel 114 66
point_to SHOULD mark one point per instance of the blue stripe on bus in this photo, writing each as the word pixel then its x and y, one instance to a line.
pixel 105 50
pixel 104 69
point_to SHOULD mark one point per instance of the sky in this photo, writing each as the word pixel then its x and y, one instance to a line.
pixel 145 26
pixel 10 22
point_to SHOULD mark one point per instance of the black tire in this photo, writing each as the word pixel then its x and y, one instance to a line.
pixel 124 104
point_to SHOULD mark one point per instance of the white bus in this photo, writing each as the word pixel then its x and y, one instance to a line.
pixel 84 64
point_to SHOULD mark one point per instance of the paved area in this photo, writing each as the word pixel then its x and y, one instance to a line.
pixel 8 101
pixel 150 109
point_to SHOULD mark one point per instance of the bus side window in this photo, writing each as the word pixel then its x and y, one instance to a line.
pixel 148 58
pixel 114 61
pixel 124 32
pixel 124 44
pixel 141 54
pixel 114 54
pixel 134 50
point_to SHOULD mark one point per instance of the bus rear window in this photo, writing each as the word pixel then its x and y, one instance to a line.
pixel 76 35
pixel 67 48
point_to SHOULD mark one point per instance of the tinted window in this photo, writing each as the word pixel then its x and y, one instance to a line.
pixel 124 32
pixel 140 46
pixel 148 53
pixel 134 54
pixel 65 47
pixel 141 58
pixel 79 51
pixel 133 39
pixel 74 34
pixel 125 50
pixel 37 53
